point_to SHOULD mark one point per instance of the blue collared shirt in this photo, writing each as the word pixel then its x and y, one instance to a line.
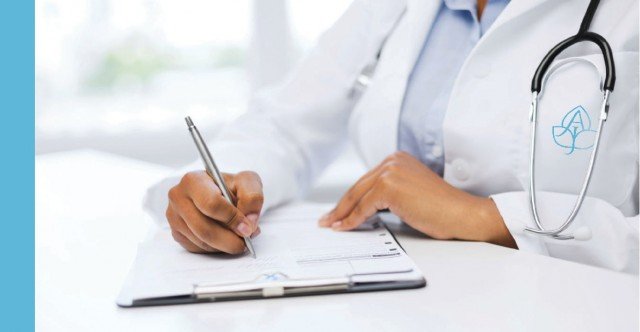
pixel 456 30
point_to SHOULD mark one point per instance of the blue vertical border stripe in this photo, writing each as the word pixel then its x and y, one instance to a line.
pixel 17 100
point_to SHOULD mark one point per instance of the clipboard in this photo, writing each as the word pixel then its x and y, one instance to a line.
pixel 383 266
pixel 284 287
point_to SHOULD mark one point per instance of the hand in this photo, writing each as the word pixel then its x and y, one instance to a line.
pixel 202 220
pixel 423 200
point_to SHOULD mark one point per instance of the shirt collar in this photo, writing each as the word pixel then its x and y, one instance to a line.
pixel 469 5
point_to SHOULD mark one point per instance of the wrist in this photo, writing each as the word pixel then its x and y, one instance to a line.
pixel 497 231
pixel 487 224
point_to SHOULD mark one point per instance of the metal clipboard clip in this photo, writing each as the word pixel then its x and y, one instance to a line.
pixel 275 284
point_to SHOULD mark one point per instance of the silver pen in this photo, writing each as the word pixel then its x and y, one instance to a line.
pixel 213 171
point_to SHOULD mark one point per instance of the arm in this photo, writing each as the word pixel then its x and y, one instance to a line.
pixel 430 205
pixel 288 136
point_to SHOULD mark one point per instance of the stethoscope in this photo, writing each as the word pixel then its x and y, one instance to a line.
pixel 582 233
pixel 539 78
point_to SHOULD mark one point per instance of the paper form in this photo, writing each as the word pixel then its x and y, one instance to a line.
pixel 290 245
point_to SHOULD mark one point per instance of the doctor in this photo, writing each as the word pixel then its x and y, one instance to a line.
pixel 436 97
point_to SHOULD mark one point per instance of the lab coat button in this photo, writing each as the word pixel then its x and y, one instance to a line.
pixel 436 151
pixel 460 169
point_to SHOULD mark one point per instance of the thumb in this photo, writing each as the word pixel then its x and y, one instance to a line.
pixel 250 197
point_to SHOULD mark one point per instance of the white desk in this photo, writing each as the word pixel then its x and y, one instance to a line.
pixel 89 221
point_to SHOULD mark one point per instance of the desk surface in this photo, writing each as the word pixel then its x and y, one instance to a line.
pixel 89 221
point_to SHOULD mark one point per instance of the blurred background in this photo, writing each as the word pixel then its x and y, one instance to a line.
pixel 120 75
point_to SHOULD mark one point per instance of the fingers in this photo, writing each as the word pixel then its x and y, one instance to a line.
pixel 185 243
pixel 209 232
pixel 351 198
pixel 368 205
pixel 183 235
pixel 256 233
pixel 201 218
pixel 206 196
pixel 376 180
pixel 248 189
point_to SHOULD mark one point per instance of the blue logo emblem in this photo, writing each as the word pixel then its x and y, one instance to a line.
pixel 574 132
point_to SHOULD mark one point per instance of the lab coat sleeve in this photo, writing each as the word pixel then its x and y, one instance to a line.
pixel 291 132
pixel 614 241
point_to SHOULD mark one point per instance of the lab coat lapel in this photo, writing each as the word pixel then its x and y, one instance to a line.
pixel 374 122
pixel 517 8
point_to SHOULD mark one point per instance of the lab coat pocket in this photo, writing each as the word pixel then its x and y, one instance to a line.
pixel 568 118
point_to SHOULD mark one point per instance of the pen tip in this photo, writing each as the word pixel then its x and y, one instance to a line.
pixel 189 121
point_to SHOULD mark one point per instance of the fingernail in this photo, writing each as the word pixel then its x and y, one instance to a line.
pixel 323 220
pixel 244 229
pixel 336 225
pixel 256 233
pixel 253 217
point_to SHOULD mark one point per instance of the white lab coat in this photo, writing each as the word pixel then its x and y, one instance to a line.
pixel 293 131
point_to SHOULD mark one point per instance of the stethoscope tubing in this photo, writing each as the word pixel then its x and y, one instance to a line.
pixel 555 233
pixel 536 88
